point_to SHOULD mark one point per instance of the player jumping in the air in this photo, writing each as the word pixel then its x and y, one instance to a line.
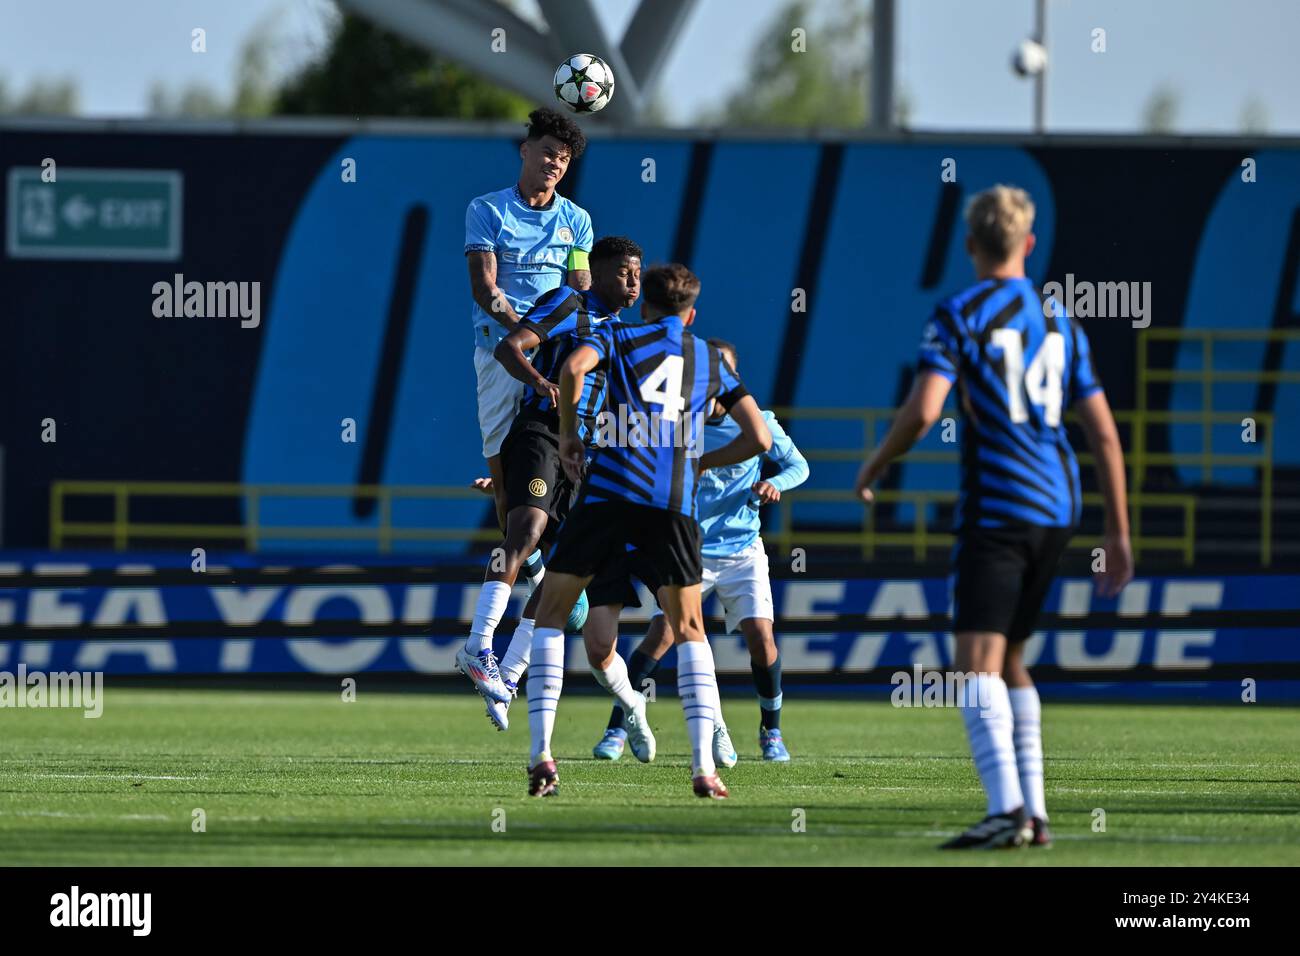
pixel 639 491
pixel 536 490
pixel 1019 361
pixel 521 241
pixel 735 563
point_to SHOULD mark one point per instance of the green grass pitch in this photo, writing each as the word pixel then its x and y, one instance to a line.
pixel 301 777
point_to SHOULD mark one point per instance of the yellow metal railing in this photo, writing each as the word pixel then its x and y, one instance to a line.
pixel 1207 376
pixel 920 538
pixel 123 531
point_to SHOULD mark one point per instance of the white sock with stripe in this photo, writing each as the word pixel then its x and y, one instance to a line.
pixel 1026 711
pixel 492 600
pixel 515 662
pixel 615 680
pixel 545 681
pixel 697 686
pixel 989 729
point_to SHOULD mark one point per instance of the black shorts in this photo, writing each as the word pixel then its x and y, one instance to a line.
pixel 613 581
pixel 595 537
pixel 1002 576
pixel 530 458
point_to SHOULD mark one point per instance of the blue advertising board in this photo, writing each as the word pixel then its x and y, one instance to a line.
pixel 842 655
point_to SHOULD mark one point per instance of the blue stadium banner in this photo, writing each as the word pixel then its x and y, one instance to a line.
pixel 866 631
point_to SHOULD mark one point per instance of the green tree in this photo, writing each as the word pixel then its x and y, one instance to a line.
pixel 1254 116
pixel 254 88
pixel 254 93
pixel 816 78
pixel 195 101
pixel 367 71
pixel 1160 114
pixel 44 97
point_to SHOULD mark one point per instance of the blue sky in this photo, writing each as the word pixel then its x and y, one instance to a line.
pixel 952 55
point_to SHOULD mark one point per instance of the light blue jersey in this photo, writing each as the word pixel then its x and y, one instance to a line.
pixel 534 248
pixel 728 506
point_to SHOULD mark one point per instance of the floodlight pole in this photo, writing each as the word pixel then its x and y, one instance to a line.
pixel 1040 78
pixel 882 65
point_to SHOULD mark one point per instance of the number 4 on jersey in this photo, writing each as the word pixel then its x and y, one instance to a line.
pixel 667 374
pixel 1042 380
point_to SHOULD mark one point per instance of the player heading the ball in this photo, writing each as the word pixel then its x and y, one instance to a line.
pixel 520 242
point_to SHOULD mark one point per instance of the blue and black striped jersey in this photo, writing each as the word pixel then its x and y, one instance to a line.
pixel 1019 362
pixel 662 383
pixel 560 316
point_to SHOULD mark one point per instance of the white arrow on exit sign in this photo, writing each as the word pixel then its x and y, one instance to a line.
pixel 77 211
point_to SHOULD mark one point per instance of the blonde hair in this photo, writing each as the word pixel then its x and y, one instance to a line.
pixel 999 219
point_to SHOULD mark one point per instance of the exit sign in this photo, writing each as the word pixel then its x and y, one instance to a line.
pixel 94 214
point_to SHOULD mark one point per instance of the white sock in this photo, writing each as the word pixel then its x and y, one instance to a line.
pixel 1028 735
pixel 545 681
pixel 534 579
pixel 614 679
pixel 492 600
pixel 697 686
pixel 990 733
pixel 515 662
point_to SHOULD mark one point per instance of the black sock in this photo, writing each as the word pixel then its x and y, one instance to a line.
pixel 767 682
pixel 639 667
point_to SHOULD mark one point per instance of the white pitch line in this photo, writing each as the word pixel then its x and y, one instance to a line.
pixel 1101 839
pixel 1109 791
pixel 83 816
pixel 104 776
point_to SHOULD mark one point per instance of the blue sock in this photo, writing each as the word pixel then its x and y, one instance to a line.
pixel 639 667
pixel 532 565
pixel 767 682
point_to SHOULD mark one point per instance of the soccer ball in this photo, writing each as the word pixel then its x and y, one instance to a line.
pixel 578 616
pixel 1030 58
pixel 584 83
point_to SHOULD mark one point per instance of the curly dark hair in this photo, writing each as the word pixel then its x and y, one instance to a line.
pixel 613 247
pixel 548 122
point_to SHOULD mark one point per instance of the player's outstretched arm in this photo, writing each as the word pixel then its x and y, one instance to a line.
pixel 573 456
pixel 754 438
pixel 483 286
pixel 1103 441
pixel 921 410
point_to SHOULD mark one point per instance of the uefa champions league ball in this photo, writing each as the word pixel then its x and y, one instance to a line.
pixel 584 83
pixel 1029 58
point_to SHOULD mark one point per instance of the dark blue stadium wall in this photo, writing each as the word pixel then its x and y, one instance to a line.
pixel 348 270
